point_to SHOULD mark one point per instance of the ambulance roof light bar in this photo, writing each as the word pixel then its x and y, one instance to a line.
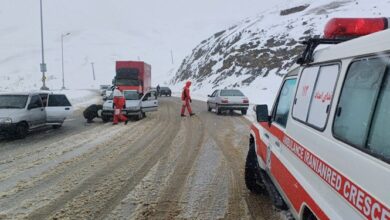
pixel 338 30
pixel 341 28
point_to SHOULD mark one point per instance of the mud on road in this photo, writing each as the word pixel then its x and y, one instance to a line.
pixel 163 167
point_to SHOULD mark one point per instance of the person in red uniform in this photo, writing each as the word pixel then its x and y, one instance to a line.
pixel 119 104
pixel 186 99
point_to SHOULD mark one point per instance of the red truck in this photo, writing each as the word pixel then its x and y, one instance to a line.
pixel 133 75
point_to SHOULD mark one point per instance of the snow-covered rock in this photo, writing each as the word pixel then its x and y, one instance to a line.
pixel 254 54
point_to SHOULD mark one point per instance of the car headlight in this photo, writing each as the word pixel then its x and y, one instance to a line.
pixel 5 121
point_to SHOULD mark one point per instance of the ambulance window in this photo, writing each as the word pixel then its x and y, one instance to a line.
pixel 322 96
pixel 284 102
pixel 379 138
pixel 304 93
pixel 357 104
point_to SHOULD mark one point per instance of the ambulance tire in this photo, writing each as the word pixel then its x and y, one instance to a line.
pixel 273 192
pixel 252 172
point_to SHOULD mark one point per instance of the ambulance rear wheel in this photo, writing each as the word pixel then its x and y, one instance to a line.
pixel 252 171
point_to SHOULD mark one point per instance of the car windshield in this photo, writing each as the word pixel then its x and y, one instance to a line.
pixel 13 101
pixel 131 95
pixel 231 92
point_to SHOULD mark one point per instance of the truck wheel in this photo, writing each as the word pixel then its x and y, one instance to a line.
pixel 253 179
pixel 21 131
pixel 244 111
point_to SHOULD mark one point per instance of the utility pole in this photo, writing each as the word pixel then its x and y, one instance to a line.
pixel 93 71
pixel 43 64
pixel 172 56
pixel 62 50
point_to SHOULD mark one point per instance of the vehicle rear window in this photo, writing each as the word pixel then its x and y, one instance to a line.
pixel 231 92
pixel 362 113
pixel 13 101
pixel 58 100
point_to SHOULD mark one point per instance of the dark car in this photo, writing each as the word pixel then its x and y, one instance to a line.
pixel 165 91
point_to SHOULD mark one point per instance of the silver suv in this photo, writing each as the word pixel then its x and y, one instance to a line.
pixel 22 112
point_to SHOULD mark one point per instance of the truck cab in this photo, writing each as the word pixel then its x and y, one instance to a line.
pixel 133 75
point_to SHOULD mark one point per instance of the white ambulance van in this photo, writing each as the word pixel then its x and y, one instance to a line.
pixel 323 151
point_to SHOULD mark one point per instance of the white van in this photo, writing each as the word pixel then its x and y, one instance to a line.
pixel 324 150
pixel 22 112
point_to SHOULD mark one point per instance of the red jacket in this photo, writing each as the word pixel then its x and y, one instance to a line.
pixel 185 95
pixel 119 102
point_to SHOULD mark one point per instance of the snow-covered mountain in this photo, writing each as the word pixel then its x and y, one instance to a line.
pixel 254 54
pixel 102 32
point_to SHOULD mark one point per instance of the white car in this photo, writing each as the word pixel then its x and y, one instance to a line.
pixel 136 105
pixel 228 99
pixel 22 112
pixel 103 89
pixel 108 92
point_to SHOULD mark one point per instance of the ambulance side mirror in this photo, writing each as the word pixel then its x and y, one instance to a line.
pixel 262 113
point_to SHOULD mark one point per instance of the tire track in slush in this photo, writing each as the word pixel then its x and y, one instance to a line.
pixel 168 205
pixel 223 138
pixel 167 138
pixel 141 145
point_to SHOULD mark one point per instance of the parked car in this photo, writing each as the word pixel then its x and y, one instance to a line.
pixel 136 105
pixel 165 91
pixel 103 89
pixel 108 92
pixel 23 112
pixel 228 99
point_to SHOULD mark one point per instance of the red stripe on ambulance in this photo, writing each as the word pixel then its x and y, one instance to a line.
pixel 362 201
pixel 293 190
pixel 260 145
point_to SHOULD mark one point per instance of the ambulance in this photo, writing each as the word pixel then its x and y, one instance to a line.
pixel 323 149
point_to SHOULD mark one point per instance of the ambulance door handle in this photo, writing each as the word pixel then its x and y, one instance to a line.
pixel 266 135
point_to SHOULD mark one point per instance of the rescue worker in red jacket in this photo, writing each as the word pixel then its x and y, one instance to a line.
pixel 119 104
pixel 186 99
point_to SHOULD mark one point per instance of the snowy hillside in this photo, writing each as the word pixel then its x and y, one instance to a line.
pixel 102 32
pixel 255 53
